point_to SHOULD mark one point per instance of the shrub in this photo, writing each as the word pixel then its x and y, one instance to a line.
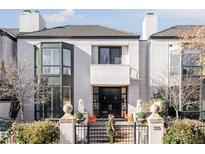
pixel 38 132
pixel 141 115
pixel 185 131
pixel 5 123
pixel 78 115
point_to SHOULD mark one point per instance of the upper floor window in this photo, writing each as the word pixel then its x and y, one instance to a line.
pixel 56 58
pixel 66 62
pixel 51 61
pixel 191 63
pixel 110 55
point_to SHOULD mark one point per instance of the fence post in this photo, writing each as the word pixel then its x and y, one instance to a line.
pixel 135 135
pixel 67 126
pixel 88 133
pixel 156 126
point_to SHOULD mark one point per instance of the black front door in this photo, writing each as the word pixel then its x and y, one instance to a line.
pixel 110 101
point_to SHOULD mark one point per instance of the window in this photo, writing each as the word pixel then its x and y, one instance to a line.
pixel 191 59
pixel 191 65
pixel 191 71
pixel 54 61
pixel 51 61
pixel 174 63
pixel 110 55
pixel 66 94
pixel 66 62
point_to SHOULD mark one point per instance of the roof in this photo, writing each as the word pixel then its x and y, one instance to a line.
pixel 173 32
pixel 13 31
pixel 79 31
pixel 9 32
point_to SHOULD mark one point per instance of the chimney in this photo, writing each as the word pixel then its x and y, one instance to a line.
pixel 150 25
pixel 31 21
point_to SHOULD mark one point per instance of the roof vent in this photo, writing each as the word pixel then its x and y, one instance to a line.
pixel 28 11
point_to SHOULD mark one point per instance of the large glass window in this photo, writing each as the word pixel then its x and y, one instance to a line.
pixel 110 55
pixel 175 63
pixel 191 64
pixel 66 62
pixel 191 85
pixel 56 67
pixel 51 61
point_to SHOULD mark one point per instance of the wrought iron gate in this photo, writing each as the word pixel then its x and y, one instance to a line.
pixel 97 134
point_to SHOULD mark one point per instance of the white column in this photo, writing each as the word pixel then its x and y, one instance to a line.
pixel 156 126
pixel 67 126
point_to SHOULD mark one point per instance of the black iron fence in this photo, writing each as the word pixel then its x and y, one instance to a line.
pixel 124 134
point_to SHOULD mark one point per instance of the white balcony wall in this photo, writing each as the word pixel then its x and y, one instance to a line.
pixel 109 75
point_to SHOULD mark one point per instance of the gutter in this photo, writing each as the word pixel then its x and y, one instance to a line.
pixel 77 37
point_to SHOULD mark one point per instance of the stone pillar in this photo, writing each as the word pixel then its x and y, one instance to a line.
pixel 156 126
pixel 67 126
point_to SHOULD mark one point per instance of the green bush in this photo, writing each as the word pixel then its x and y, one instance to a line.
pixel 78 115
pixel 38 132
pixel 141 115
pixel 185 131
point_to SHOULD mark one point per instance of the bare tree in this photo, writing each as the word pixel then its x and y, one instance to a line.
pixel 185 95
pixel 193 39
pixel 182 91
pixel 21 85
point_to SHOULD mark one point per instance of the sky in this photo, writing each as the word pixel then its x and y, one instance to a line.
pixel 127 20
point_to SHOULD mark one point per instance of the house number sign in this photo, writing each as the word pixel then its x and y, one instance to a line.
pixel 156 128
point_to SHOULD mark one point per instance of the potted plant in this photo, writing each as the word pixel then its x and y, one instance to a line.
pixel 79 116
pixel 141 117
pixel 110 128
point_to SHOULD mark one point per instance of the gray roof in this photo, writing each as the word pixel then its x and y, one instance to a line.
pixel 173 32
pixel 9 32
pixel 12 31
pixel 79 31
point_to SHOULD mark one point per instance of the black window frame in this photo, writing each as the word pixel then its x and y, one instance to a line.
pixel 62 77
pixel 110 49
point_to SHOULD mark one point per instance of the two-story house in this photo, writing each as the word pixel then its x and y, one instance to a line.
pixel 90 62
pixel 108 69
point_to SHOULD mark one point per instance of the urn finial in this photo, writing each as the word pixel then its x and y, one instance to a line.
pixel 155 108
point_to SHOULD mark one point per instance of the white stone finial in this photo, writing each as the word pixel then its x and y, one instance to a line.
pixel 155 108
pixel 67 108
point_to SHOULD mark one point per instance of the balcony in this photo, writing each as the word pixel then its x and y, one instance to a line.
pixel 111 75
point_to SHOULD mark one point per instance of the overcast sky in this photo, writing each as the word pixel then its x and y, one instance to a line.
pixel 128 20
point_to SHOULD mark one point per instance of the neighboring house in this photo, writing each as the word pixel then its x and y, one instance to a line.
pixel 8 48
pixel 8 43
pixel 168 66
pixel 108 69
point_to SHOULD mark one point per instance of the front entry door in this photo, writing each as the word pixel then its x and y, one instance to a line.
pixel 110 101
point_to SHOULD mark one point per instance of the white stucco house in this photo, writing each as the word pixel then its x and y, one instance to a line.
pixel 108 69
